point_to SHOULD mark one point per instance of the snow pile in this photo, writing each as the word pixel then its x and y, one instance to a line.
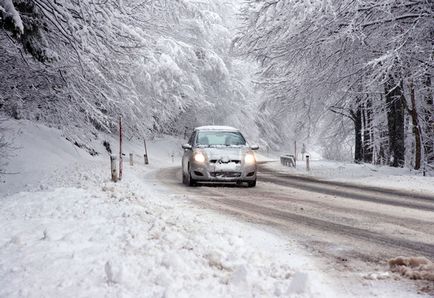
pixel 377 276
pixel 113 241
pixel 413 267
pixel 39 157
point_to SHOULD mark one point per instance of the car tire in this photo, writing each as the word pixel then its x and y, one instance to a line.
pixel 190 181
pixel 251 183
pixel 184 178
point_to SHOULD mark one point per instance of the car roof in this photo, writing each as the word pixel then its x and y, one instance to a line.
pixel 216 127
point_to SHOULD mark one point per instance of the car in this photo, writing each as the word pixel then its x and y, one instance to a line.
pixel 218 154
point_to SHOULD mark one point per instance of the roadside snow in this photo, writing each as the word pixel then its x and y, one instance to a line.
pixel 363 174
pixel 67 231
pixel 119 241
pixel 413 268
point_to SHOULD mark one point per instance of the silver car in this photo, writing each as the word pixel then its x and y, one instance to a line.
pixel 218 154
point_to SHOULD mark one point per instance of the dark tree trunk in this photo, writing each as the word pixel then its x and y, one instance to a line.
pixel 358 153
pixel 416 128
pixel 382 138
pixel 395 120
pixel 367 125
pixel 429 121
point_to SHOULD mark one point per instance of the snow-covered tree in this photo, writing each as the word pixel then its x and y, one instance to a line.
pixel 162 65
pixel 354 58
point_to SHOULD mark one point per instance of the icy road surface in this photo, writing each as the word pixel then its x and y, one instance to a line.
pixel 351 229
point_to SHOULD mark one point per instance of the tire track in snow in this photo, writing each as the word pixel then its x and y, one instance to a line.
pixel 266 205
pixel 351 192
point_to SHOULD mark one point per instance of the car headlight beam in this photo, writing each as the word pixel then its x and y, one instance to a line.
pixel 249 158
pixel 199 157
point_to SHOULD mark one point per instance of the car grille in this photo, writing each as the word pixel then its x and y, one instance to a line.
pixel 237 161
pixel 225 174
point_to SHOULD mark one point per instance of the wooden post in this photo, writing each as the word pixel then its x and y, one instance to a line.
pixel 114 171
pixel 131 159
pixel 146 153
pixel 303 151
pixel 307 163
pixel 120 148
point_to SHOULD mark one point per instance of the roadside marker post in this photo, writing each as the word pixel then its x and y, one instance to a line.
pixel 307 163
pixel 114 171
pixel 131 160
pixel 146 152
pixel 303 151
pixel 120 148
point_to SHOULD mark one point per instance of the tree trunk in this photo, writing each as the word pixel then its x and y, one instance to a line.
pixel 416 128
pixel 395 121
pixel 358 153
pixel 367 124
pixel 429 121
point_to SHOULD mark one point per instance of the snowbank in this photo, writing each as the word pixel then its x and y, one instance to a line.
pixel 413 267
pixel 118 241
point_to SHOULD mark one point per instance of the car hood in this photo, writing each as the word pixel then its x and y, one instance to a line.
pixel 225 153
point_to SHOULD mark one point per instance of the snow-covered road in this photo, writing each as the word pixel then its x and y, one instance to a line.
pixel 353 229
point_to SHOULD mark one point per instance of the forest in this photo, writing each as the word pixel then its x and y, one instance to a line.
pixel 351 79
pixel 161 65
pixel 362 66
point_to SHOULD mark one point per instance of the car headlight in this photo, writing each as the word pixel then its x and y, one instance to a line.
pixel 249 158
pixel 199 157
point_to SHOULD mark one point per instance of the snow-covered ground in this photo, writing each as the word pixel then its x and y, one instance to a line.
pixel 68 231
pixel 364 174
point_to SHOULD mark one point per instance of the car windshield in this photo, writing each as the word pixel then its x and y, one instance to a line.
pixel 220 138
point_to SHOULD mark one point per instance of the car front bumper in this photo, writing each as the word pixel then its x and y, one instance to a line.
pixel 230 172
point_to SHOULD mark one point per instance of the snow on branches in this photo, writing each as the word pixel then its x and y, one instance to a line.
pixel 369 62
pixel 162 65
pixel 8 11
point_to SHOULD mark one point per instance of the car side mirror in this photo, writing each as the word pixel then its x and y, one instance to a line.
pixel 254 147
pixel 187 147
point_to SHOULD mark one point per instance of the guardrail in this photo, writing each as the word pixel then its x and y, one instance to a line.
pixel 288 160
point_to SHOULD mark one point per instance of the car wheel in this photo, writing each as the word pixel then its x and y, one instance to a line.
pixel 190 181
pixel 251 183
pixel 184 178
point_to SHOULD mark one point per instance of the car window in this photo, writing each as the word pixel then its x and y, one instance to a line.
pixel 191 140
pixel 220 138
